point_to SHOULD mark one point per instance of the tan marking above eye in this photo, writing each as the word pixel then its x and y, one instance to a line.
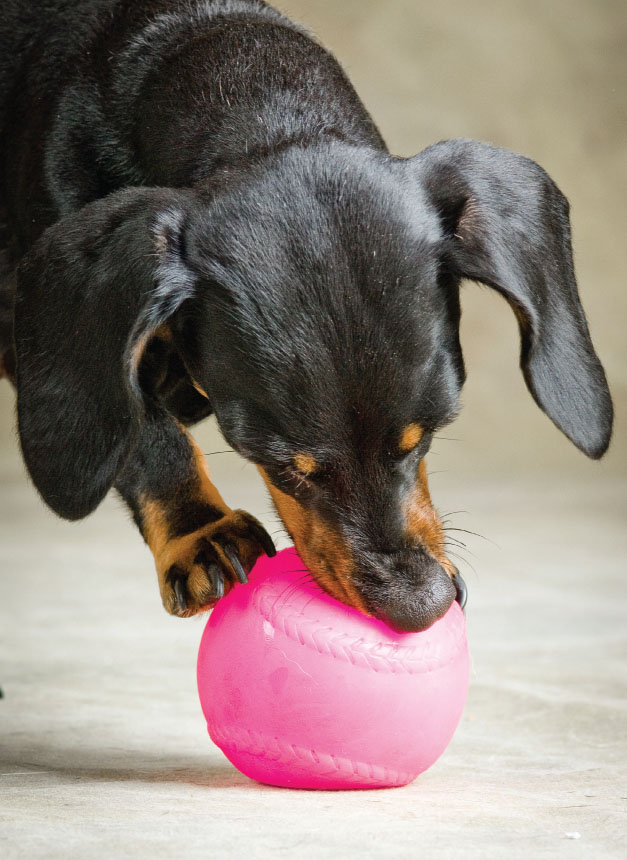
pixel 410 437
pixel 304 463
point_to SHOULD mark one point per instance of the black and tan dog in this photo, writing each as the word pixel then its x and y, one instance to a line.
pixel 199 216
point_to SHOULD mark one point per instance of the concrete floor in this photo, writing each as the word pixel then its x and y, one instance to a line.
pixel 103 750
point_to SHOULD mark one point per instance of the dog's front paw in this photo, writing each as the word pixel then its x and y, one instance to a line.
pixel 197 569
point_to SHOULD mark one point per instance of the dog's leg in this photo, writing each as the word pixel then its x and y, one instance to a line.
pixel 201 546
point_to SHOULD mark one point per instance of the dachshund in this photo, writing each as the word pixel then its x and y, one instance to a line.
pixel 198 216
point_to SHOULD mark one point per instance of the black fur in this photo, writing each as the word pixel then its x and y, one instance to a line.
pixel 510 229
pixel 105 287
pixel 209 166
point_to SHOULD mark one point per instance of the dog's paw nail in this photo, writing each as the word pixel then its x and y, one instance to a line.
pixel 231 553
pixel 179 591
pixel 215 575
pixel 263 538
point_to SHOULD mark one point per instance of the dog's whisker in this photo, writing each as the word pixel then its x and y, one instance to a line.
pixel 453 537
pixel 292 587
pixel 465 561
pixel 476 534
pixel 460 549
pixel 455 542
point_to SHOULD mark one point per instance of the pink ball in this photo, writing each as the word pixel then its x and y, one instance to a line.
pixel 299 690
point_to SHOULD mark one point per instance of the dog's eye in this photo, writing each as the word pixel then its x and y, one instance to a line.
pixel 423 446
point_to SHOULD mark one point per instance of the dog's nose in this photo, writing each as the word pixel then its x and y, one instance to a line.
pixel 415 596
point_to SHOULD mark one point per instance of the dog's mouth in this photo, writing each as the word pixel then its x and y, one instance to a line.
pixel 408 588
pixel 406 603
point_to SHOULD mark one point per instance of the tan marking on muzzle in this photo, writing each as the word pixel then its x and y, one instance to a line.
pixel 423 524
pixel 322 549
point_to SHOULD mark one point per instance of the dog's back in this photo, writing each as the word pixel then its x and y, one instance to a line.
pixel 41 43
pixel 105 94
pixel 154 92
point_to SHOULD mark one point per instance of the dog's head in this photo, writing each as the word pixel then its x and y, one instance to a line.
pixel 328 342
pixel 315 299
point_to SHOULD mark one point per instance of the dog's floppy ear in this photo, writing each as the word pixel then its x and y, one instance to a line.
pixel 506 224
pixel 90 292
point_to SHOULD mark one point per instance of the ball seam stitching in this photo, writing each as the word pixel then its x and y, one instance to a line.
pixel 342 646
